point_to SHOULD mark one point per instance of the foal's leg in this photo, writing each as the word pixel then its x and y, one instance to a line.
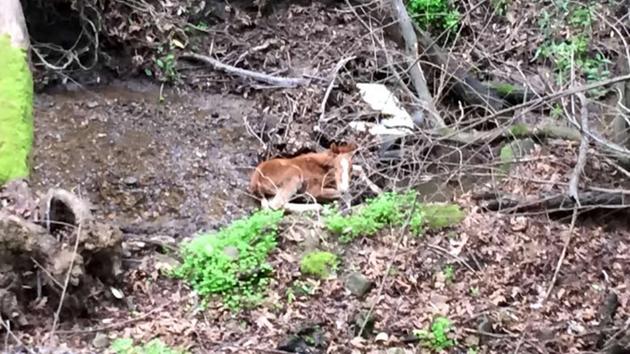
pixel 285 192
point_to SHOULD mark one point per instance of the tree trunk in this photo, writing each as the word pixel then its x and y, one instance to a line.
pixel 16 94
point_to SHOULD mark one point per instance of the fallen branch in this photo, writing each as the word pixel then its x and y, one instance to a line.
pixel 415 71
pixel 285 82
pixel 338 67
pixel 555 203
pixel 581 160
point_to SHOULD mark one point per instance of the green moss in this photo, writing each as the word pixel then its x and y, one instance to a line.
pixel 319 264
pixel 519 130
pixel 438 216
pixel 16 112
pixel 504 88
pixel 507 156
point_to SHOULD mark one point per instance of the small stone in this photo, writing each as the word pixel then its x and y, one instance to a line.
pixel 100 340
pixel 131 181
pixel 357 284
pixel 165 262
pixel 231 252
pixel 92 104
pixel 396 351
pixel 522 147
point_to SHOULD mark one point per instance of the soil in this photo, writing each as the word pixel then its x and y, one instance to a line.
pixel 183 161
pixel 180 165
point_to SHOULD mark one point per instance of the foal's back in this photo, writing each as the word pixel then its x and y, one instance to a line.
pixel 312 170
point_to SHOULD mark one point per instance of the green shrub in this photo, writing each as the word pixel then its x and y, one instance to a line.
pixel 232 262
pixel 392 209
pixel 319 264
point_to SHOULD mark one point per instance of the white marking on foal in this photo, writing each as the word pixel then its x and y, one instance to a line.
pixel 344 184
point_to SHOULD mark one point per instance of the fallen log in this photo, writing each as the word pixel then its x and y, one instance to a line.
pixel 559 202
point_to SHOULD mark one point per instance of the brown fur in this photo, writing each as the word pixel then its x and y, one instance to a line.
pixel 315 174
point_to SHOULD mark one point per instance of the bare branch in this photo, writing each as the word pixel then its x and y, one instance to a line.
pixel 285 82
pixel 581 160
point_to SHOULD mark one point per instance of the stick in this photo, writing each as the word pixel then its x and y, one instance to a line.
pixel 338 67
pixel 285 82
pixel 562 255
pixel 359 171
pixel 581 160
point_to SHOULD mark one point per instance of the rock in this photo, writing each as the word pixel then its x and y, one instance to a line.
pixel 294 344
pixel 231 252
pixel 92 104
pixel 522 147
pixel 165 262
pixel 100 341
pixel 357 284
pixel 397 351
pixel 131 181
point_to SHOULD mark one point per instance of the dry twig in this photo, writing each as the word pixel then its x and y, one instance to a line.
pixel 285 82
pixel 581 160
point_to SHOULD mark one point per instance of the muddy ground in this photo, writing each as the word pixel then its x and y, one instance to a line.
pixel 180 165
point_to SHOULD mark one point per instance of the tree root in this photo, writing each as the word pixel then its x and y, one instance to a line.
pixel 40 255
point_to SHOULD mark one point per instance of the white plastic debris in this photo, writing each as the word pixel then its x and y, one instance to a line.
pixel 381 99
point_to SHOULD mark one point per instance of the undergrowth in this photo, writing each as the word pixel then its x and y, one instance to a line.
pixel 434 15
pixel 156 346
pixel 567 27
pixel 232 262
pixel 437 337
pixel 392 209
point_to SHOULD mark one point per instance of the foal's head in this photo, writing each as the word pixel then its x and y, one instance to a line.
pixel 343 164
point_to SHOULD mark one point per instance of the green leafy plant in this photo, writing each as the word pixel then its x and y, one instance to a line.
pixel 156 346
pixel 299 288
pixel 474 291
pixel 434 14
pixel 449 273
pixel 319 264
pixel 165 62
pixel 437 338
pixel 500 6
pixel 567 51
pixel 392 209
pixel 232 262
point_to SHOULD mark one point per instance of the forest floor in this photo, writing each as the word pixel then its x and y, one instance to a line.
pixel 171 162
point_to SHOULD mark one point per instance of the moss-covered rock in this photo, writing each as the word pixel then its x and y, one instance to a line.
pixel 438 216
pixel 319 264
pixel 16 112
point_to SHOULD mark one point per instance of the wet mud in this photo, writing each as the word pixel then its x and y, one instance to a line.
pixel 183 161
